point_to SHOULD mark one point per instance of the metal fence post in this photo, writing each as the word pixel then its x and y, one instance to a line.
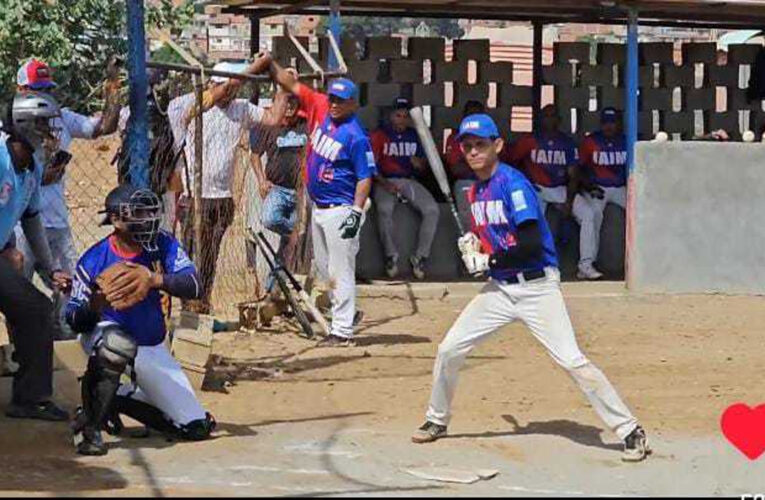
pixel 198 161
pixel 138 128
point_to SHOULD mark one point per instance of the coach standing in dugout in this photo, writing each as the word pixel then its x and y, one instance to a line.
pixel 225 118
pixel 54 156
pixel 399 157
pixel 340 167
pixel 28 312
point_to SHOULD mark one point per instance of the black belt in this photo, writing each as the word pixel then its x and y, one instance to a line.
pixel 527 276
pixel 330 205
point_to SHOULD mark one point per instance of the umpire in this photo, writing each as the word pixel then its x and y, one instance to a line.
pixel 27 310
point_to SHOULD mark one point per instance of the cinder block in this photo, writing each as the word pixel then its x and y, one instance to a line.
pixel 742 53
pixel 472 50
pixel 502 117
pixel 369 116
pixel 679 123
pixel 721 76
pixel 645 125
pixel 727 121
pixel 564 52
pixel 574 97
pixel 703 98
pixel 699 53
pixel 433 49
pixel 660 99
pixel 465 92
pixel 587 122
pixel 737 99
pixel 351 49
pixel 558 75
pixel 646 76
pixel 364 71
pixel 283 48
pixel 514 95
pixel 428 95
pixel 500 72
pixel 610 97
pixel 443 118
pixel 383 47
pixel 382 94
pixel 406 71
pixel 611 53
pixel 597 75
pixel 454 71
pixel 656 52
pixel 757 121
pixel 677 76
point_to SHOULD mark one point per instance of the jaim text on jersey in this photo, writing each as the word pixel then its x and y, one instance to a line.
pixel 549 157
pixel 488 213
pixel 609 158
pixel 402 149
pixel 325 146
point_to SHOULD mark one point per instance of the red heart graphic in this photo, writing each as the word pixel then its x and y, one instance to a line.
pixel 745 428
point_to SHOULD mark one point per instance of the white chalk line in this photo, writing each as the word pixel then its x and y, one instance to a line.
pixel 552 492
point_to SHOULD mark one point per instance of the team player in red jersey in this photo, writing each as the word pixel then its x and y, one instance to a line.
pixel 340 166
pixel 548 158
pixel 603 179
pixel 399 158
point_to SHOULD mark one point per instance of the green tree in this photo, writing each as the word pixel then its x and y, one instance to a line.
pixel 75 37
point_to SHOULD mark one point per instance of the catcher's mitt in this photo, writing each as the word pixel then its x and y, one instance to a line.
pixel 125 284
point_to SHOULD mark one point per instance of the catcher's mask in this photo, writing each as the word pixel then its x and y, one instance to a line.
pixel 139 209
pixel 32 116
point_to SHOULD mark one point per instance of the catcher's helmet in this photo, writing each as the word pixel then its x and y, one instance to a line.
pixel 140 210
pixel 30 116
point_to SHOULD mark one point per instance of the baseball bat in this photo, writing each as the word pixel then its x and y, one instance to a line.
pixel 434 159
pixel 302 294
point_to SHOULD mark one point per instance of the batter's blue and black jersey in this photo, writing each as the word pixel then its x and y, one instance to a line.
pixel 498 207
pixel 144 321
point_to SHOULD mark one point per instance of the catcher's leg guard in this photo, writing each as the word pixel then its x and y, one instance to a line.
pixel 111 355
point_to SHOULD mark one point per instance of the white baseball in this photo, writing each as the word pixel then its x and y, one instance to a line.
pixel 748 136
pixel 661 136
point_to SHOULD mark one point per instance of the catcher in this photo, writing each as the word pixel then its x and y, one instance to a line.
pixel 116 307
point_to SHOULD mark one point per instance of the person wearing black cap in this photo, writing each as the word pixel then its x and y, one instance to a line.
pixel 400 157
pixel 120 336
pixel 602 179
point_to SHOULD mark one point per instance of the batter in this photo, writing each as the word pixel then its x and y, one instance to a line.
pixel 511 241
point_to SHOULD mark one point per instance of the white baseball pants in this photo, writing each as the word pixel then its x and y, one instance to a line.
pixel 546 195
pixel 539 304
pixel 588 211
pixel 421 200
pixel 335 263
pixel 160 382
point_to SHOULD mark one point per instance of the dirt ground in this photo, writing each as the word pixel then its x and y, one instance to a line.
pixel 299 420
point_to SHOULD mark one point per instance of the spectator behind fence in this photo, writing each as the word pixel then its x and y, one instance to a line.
pixel 460 173
pixel 54 156
pixel 399 158
pixel 224 120
pixel 278 182
pixel 602 179
pixel 548 158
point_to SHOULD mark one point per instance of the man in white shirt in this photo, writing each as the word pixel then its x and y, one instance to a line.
pixel 225 119
pixel 36 75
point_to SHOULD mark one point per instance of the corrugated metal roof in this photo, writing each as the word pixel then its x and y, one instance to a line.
pixel 702 12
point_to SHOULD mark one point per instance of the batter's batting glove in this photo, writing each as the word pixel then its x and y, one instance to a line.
pixel 350 226
pixel 476 263
pixel 468 243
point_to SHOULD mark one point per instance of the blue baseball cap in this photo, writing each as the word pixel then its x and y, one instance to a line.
pixel 609 115
pixel 479 125
pixel 342 88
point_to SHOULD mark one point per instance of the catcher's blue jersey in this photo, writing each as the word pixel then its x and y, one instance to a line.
pixel 144 321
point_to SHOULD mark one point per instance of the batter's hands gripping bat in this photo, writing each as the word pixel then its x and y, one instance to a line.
pixel 302 294
pixel 434 159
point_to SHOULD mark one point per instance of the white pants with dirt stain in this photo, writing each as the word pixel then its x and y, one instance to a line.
pixel 550 195
pixel 335 263
pixel 588 212
pixel 421 201
pixel 539 304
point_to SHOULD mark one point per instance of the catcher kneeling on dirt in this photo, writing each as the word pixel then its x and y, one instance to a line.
pixel 116 307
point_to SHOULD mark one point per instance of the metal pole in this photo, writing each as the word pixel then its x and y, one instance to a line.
pixel 254 35
pixel 196 70
pixel 198 162
pixel 536 88
pixel 631 97
pixel 335 27
pixel 138 126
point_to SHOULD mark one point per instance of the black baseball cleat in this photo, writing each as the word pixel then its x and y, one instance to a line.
pixel 357 317
pixel 46 410
pixel 88 441
pixel 335 341
pixel 636 446
pixel 428 433
pixel 391 269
